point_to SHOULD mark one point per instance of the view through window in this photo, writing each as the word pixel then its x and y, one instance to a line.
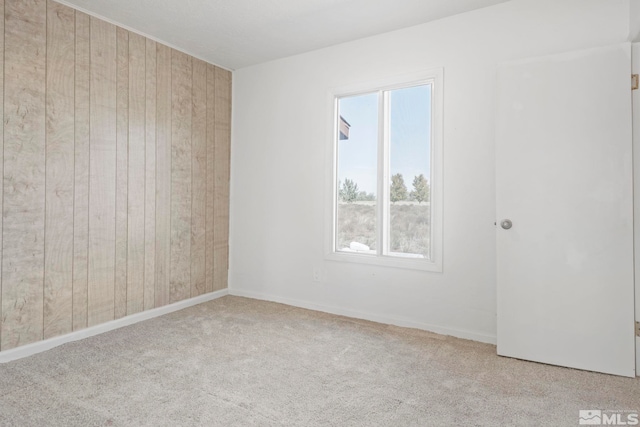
pixel 383 174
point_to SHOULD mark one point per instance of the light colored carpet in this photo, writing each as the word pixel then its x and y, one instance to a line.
pixel 241 362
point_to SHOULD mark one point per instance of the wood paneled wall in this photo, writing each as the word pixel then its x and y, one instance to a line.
pixel 115 172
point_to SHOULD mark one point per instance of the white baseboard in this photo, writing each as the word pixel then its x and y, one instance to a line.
pixel 48 344
pixel 389 320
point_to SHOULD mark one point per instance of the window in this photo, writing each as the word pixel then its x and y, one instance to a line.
pixel 386 177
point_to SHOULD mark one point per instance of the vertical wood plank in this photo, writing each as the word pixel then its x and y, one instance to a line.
pixel 181 105
pixel 122 170
pixel 102 172
pixel 211 134
pixel 58 258
pixel 81 168
pixel 163 175
pixel 136 243
pixel 24 173
pixel 150 176
pixel 199 178
pixel 222 160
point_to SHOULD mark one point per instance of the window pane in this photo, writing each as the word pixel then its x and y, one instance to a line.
pixel 410 169
pixel 357 150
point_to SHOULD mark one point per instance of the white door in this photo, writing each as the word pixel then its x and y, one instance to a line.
pixel 636 177
pixel 564 180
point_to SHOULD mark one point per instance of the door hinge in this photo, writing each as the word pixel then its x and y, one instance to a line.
pixel 634 81
pixel 638 329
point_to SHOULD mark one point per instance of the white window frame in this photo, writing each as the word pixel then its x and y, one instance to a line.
pixel 434 264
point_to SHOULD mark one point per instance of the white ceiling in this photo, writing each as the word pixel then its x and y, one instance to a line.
pixel 239 33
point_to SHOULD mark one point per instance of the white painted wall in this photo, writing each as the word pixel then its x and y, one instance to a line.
pixel 634 27
pixel 278 167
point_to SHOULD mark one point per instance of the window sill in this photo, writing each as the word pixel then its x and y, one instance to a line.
pixel 409 263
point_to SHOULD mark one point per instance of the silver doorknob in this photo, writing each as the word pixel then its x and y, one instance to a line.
pixel 506 224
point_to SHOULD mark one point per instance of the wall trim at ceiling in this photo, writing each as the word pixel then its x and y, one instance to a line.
pixel 133 30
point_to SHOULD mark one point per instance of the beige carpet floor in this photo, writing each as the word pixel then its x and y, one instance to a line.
pixel 241 362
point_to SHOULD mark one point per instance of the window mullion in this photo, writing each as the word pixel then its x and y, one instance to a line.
pixel 336 189
pixel 383 175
